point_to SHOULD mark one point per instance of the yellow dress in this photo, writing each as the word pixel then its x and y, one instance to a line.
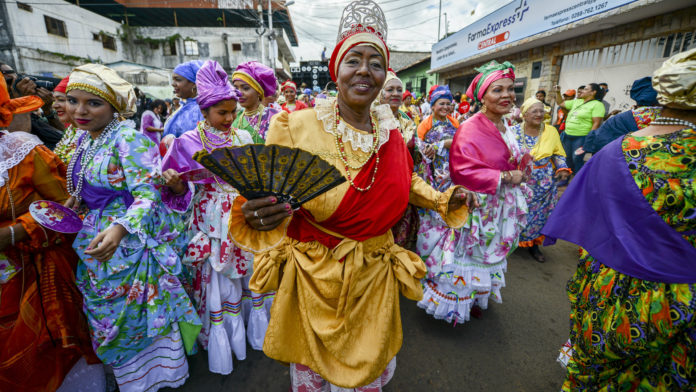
pixel 336 310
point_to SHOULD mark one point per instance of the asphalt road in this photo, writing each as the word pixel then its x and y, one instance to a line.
pixel 513 347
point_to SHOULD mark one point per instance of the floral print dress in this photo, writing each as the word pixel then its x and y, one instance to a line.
pixel 544 189
pixel 136 298
pixel 627 333
pixel 466 266
pixel 231 314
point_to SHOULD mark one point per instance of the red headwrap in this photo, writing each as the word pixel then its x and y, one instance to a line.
pixel 288 84
pixel 62 85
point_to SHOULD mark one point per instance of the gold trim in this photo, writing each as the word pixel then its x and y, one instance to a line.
pixel 94 90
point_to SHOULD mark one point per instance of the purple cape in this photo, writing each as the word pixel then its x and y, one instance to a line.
pixel 180 155
pixel 605 212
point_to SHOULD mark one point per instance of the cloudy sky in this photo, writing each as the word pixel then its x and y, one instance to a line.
pixel 412 23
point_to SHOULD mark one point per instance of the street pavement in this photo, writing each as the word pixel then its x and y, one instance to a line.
pixel 513 347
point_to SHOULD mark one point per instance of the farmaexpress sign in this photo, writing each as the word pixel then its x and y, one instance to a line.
pixel 513 22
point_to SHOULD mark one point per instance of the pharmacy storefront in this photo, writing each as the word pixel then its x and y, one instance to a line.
pixel 570 43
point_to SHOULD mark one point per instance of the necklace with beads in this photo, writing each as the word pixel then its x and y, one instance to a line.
pixel 208 144
pixel 88 148
pixel 538 137
pixel 258 112
pixel 204 127
pixel 338 139
pixel 672 121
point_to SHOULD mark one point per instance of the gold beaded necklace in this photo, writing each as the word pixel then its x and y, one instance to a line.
pixel 524 137
pixel 338 139
pixel 210 145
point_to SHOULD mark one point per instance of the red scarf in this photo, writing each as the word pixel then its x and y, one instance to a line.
pixel 363 215
pixel 478 155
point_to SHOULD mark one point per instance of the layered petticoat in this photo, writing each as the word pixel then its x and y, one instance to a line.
pixel 467 266
pixel 230 312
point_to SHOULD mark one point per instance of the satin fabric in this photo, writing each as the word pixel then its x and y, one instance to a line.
pixel 180 155
pixel 605 212
pixel 337 308
pixel 478 155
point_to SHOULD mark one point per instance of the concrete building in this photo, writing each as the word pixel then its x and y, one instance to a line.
pixel 570 43
pixel 416 77
pixel 143 40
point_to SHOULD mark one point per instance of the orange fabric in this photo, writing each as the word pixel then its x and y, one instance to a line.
pixel 427 124
pixel 10 107
pixel 43 332
pixel 528 244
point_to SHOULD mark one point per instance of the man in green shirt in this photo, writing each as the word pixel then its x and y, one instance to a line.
pixel 584 115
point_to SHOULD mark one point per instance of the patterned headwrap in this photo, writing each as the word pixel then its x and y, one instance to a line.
pixel 60 87
pixel 189 69
pixel 362 24
pixel 260 77
pixel 104 82
pixel 213 85
pixel 390 76
pixel 528 104
pixel 675 81
pixel 441 92
pixel 289 84
pixel 488 74
pixel 10 107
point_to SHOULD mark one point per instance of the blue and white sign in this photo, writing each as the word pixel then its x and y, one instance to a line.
pixel 513 22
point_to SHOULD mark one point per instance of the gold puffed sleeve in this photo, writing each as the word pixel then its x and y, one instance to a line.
pixel 240 232
pixel 424 195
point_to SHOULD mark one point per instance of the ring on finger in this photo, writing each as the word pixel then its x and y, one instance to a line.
pixel 261 220
pixel 256 213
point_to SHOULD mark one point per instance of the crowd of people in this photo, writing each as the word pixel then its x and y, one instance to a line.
pixel 440 190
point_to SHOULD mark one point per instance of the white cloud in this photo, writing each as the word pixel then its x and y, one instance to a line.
pixel 412 23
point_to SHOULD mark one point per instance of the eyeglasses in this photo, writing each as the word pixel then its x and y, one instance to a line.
pixel 8 71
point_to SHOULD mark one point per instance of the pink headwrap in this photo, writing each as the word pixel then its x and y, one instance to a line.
pixel 488 74
pixel 213 85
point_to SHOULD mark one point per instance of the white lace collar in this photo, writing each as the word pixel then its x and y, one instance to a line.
pixel 358 140
pixel 14 147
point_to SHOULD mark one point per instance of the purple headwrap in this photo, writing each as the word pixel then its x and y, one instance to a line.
pixel 213 85
pixel 260 77
pixel 441 92
pixel 488 74
pixel 189 69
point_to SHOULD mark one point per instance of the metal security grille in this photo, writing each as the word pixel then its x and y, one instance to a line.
pixel 632 52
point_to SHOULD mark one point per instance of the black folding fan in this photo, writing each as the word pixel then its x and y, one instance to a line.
pixel 292 175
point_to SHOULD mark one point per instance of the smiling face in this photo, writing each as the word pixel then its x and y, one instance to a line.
pixel 360 76
pixel 183 88
pixel 500 96
pixel 392 94
pixel 222 114
pixel 441 108
pixel 290 95
pixel 90 112
pixel 534 115
pixel 60 105
pixel 250 99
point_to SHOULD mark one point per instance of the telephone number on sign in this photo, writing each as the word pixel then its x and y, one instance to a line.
pixel 589 10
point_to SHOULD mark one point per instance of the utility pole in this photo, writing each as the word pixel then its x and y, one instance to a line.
pixel 446 25
pixel 439 19
pixel 271 37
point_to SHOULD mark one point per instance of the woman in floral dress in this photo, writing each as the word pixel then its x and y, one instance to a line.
pixel 406 230
pixel 541 141
pixel 633 295
pixel 255 81
pixel 139 315
pixel 436 241
pixel 221 270
pixel 484 158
